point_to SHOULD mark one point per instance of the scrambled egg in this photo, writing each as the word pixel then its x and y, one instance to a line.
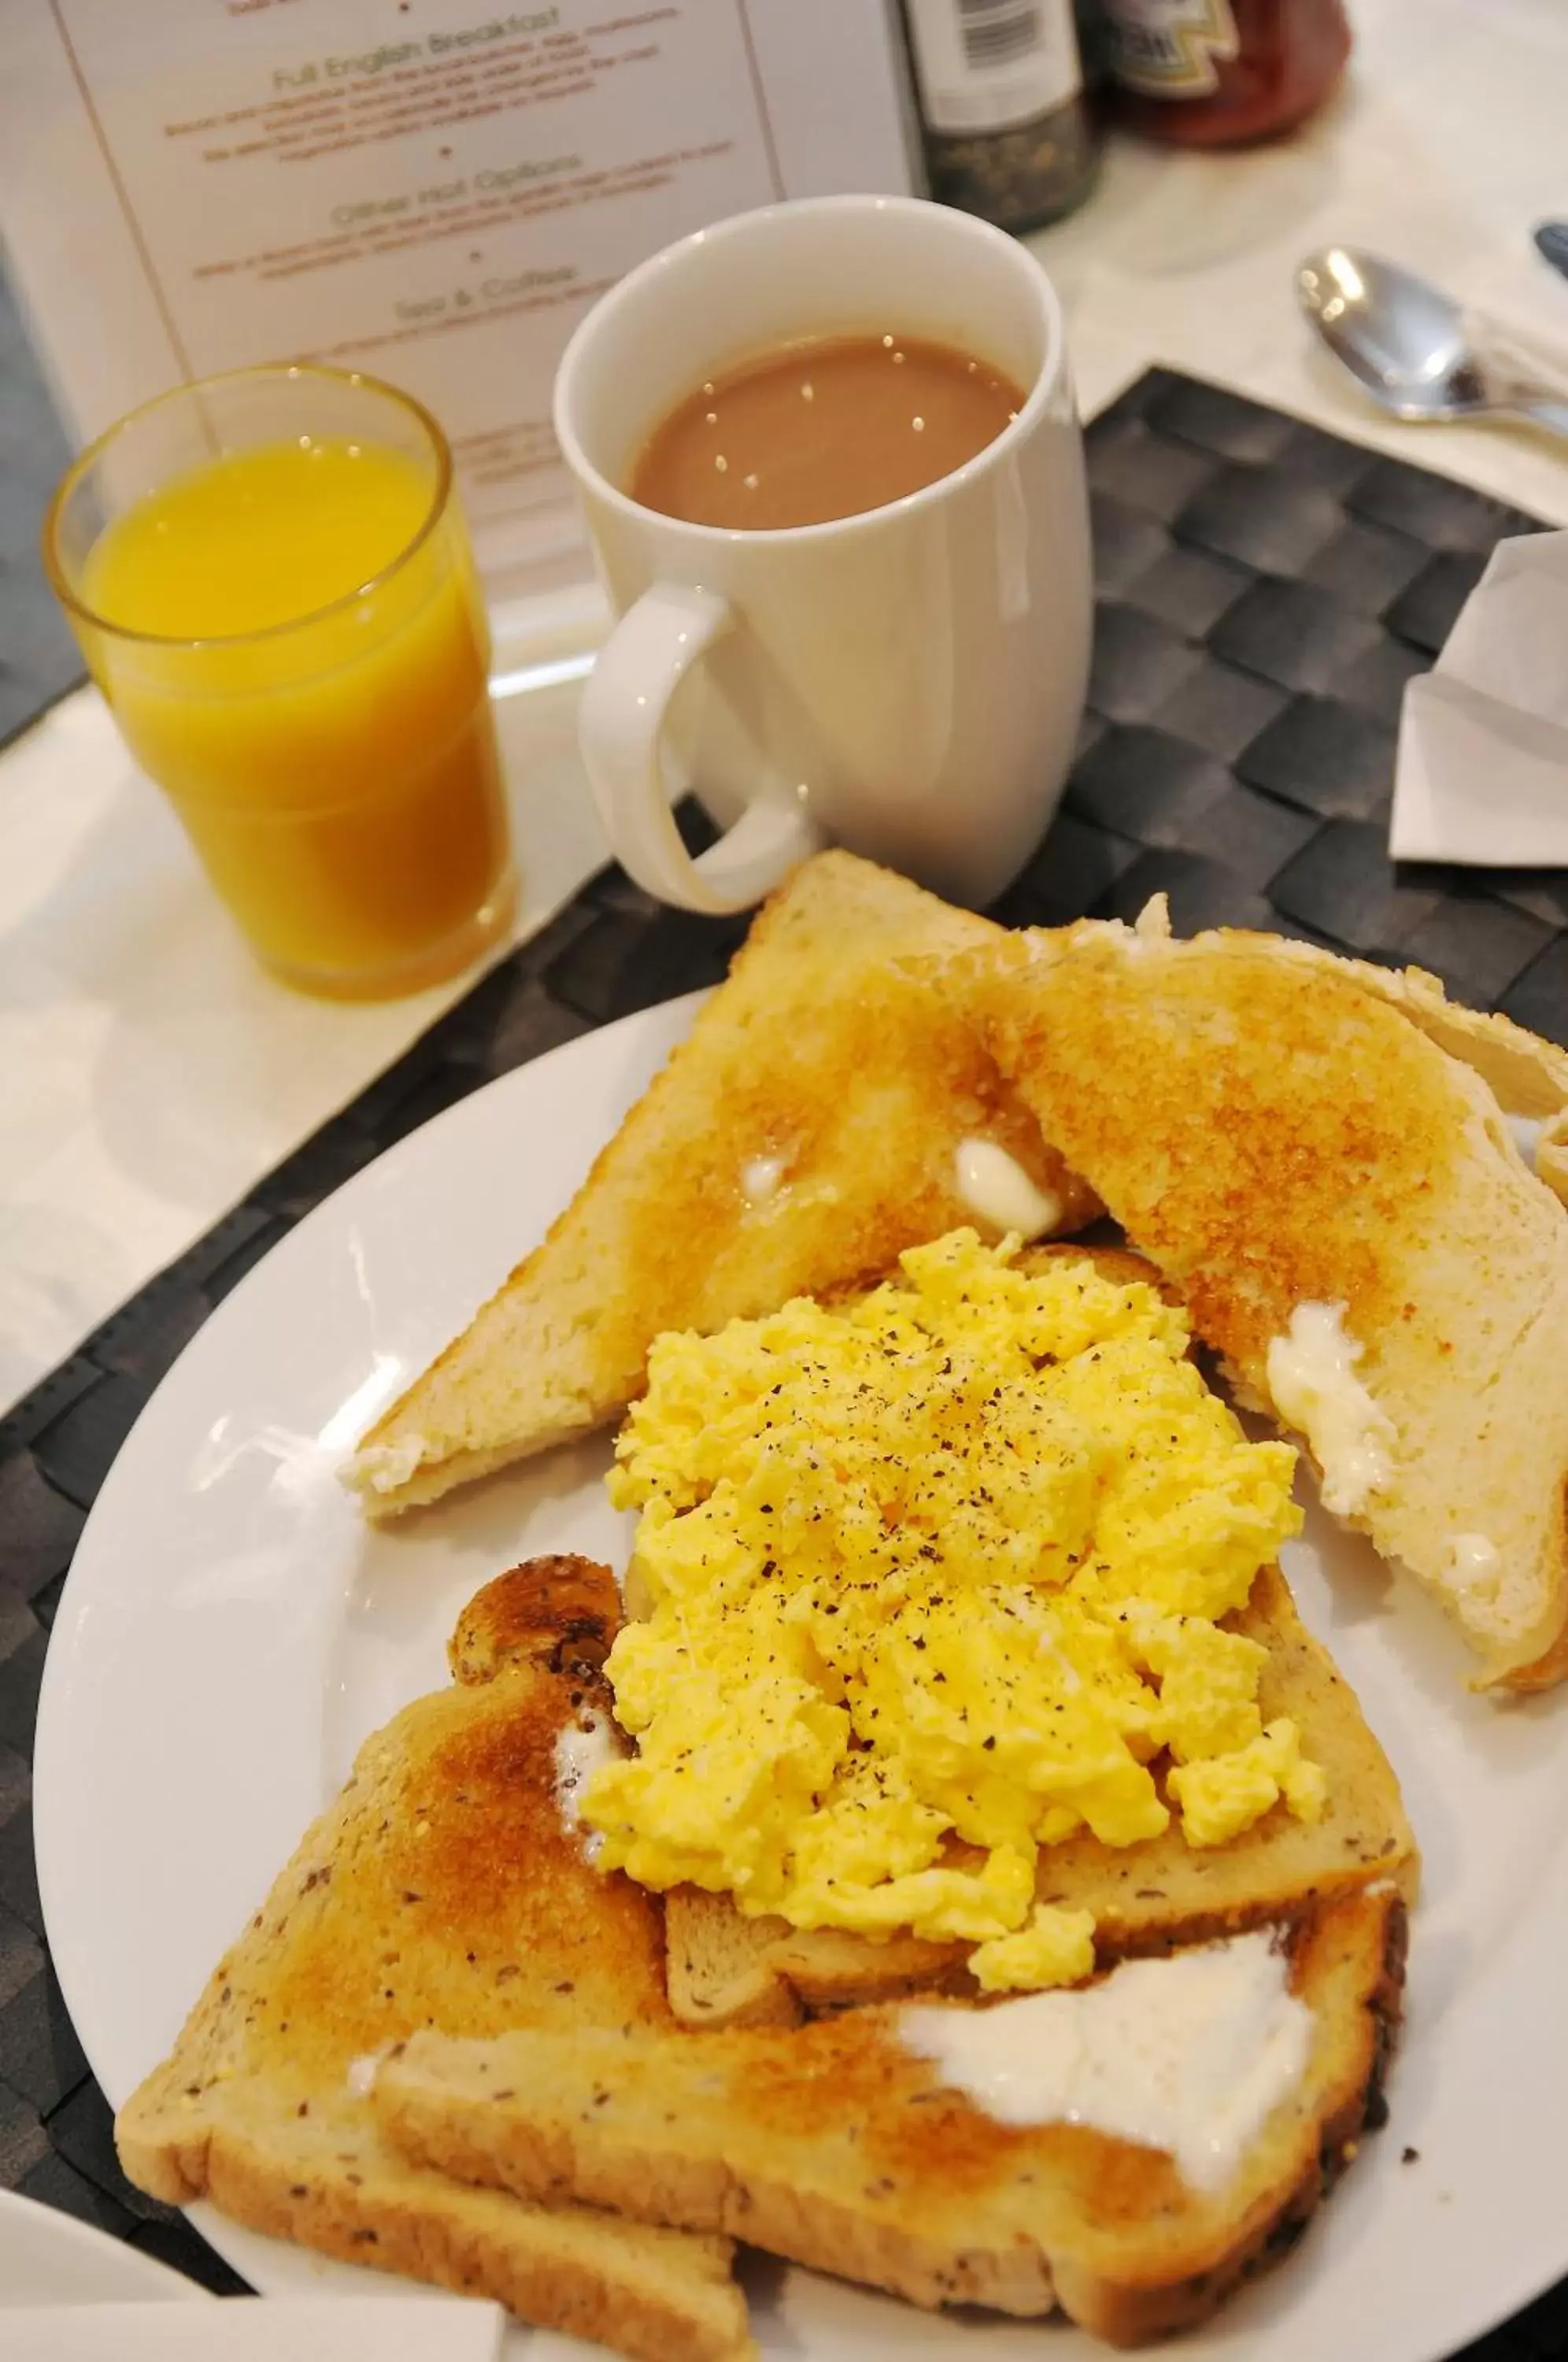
pixel 934 1578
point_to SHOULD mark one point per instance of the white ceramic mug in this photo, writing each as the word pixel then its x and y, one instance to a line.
pixel 906 682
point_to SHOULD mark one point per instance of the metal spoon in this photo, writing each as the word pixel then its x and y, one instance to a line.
pixel 1410 348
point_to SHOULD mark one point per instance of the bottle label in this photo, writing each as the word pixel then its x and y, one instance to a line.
pixel 986 65
pixel 1168 48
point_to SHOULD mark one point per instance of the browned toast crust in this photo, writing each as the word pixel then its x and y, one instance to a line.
pixel 557 1614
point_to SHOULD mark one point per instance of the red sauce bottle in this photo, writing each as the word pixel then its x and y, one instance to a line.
pixel 1220 73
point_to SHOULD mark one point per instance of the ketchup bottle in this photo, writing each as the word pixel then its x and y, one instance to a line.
pixel 1220 73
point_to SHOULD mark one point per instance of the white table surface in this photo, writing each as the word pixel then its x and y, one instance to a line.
pixel 149 1075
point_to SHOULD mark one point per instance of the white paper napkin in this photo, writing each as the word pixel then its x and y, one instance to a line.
pixel 245 2329
pixel 1482 771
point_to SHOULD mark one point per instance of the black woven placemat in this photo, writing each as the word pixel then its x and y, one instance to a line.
pixel 1265 590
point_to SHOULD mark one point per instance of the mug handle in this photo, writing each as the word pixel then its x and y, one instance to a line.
pixel 624 704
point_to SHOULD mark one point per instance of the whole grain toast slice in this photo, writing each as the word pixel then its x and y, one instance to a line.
pixel 824 1078
pixel 727 1969
pixel 441 1889
pixel 834 2145
pixel 1274 1131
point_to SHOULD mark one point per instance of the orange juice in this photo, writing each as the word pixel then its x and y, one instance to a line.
pixel 292 641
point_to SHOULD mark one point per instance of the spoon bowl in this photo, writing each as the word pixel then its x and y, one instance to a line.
pixel 1402 339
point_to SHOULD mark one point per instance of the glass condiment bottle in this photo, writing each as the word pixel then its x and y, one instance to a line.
pixel 1220 73
pixel 1008 134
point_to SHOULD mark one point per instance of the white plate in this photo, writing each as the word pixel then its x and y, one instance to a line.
pixel 230 1632
pixel 47 2259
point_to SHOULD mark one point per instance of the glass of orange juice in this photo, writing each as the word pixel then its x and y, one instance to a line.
pixel 271 581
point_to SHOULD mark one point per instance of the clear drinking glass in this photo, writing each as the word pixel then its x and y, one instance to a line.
pixel 271 579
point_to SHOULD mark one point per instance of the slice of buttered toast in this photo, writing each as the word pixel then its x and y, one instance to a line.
pixel 838 2144
pixel 1344 1212
pixel 803 1135
pixel 1527 1077
pixel 727 1970
pixel 441 1889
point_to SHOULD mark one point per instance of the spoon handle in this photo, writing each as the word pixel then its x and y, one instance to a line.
pixel 1517 372
pixel 1553 415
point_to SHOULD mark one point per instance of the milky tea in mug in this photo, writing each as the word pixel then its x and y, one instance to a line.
pixel 825 427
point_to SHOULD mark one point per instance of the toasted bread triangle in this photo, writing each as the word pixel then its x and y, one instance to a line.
pixel 1272 1128
pixel 440 1889
pixel 833 2144
pixel 836 1081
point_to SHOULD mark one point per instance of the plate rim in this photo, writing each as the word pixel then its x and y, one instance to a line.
pixel 150 2276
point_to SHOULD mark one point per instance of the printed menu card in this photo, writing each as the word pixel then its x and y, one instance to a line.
pixel 416 188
